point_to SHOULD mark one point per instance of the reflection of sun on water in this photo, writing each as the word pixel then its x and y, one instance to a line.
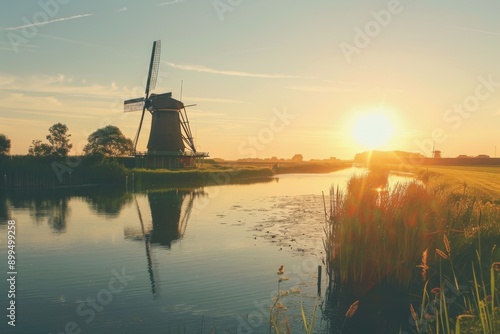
pixel 373 130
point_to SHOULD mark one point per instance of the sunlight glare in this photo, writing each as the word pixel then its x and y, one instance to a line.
pixel 373 130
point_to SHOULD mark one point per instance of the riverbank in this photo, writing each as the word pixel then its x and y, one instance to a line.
pixel 50 173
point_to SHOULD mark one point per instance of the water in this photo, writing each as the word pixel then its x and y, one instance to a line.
pixel 176 260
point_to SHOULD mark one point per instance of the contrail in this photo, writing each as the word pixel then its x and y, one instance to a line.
pixel 198 68
pixel 48 22
pixel 471 29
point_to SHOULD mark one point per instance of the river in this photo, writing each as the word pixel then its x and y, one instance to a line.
pixel 167 261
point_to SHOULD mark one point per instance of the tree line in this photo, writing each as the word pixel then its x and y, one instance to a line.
pixel 107 141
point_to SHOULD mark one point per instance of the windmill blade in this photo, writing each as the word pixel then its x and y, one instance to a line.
pixel 133 104
pixel 136 139
pixel 153 276
pixel 154 65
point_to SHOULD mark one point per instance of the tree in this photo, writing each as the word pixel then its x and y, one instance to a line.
pixel 39 149
pixel 4 145
pixel 59 139
pixel 108 141
pixel 58 146
pixel 297 157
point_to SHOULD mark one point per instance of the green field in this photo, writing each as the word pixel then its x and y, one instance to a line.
pixel 483 181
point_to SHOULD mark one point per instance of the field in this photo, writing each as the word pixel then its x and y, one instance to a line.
pixel 484 180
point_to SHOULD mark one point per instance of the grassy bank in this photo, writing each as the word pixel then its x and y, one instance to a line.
pixel 290 167
pixel 209 175
pixel 49 172
pixel 398 254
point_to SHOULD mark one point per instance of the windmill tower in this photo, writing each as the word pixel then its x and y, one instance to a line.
pixel 171 143
pixel 436 154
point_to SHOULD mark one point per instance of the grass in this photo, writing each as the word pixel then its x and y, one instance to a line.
pixel 279 322
pixel 480 181
pixel 395 225
pixel 456 308
pixel 403 238
pixel 212 175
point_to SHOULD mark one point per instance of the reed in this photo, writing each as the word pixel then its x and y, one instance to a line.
pixel 376 234
pixel 279 321
pixel 413 234
pixel 479 312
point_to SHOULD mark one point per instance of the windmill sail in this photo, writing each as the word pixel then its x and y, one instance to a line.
pixel 151 83
pixel 154 66
pixel 171 143
pixel 133 105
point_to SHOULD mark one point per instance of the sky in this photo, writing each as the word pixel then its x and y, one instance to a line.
pixel 269 78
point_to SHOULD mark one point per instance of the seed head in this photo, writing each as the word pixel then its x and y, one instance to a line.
pixel 352 309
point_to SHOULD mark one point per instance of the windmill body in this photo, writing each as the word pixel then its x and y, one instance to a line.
pixel 166 134
pixel 171 144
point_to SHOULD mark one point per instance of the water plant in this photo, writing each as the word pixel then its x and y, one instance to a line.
pixel 279 321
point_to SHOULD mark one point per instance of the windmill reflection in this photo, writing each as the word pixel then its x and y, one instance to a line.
pixel 170 211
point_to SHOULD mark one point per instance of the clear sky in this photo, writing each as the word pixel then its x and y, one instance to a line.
pixel 269 78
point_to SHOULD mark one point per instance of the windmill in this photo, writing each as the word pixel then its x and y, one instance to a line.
pixel 171 142
pixel 436 154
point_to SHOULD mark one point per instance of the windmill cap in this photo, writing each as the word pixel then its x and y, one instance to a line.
pixel 164 102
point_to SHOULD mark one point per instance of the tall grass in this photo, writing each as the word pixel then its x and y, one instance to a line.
pixel 279 321
pixel 411 237
pixel 376 234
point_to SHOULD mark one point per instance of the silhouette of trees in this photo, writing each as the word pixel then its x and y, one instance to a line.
pixel 4 145
pixel 58 146
pixel 39 149
pixel 298 157
pixel 108 141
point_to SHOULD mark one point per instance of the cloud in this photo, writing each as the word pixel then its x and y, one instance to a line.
pixel 214 100
pixel 170 2
pixel 322 89
pixel 8 46
pixel 471 29
pixel 60 85
pixel 52 100
pixel 6 80
pixel 121 10
pixel 204 69
pixel 72 41
pixel 49 22
pixel 23 122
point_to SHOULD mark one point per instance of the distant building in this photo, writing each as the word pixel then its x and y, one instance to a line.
pixel 436 154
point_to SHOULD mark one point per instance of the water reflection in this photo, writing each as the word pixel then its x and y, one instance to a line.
pixel 108 201
pixel 4 209
pixel 50 207
pixel 170 211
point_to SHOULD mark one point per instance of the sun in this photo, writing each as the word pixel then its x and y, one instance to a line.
pixel 373 130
